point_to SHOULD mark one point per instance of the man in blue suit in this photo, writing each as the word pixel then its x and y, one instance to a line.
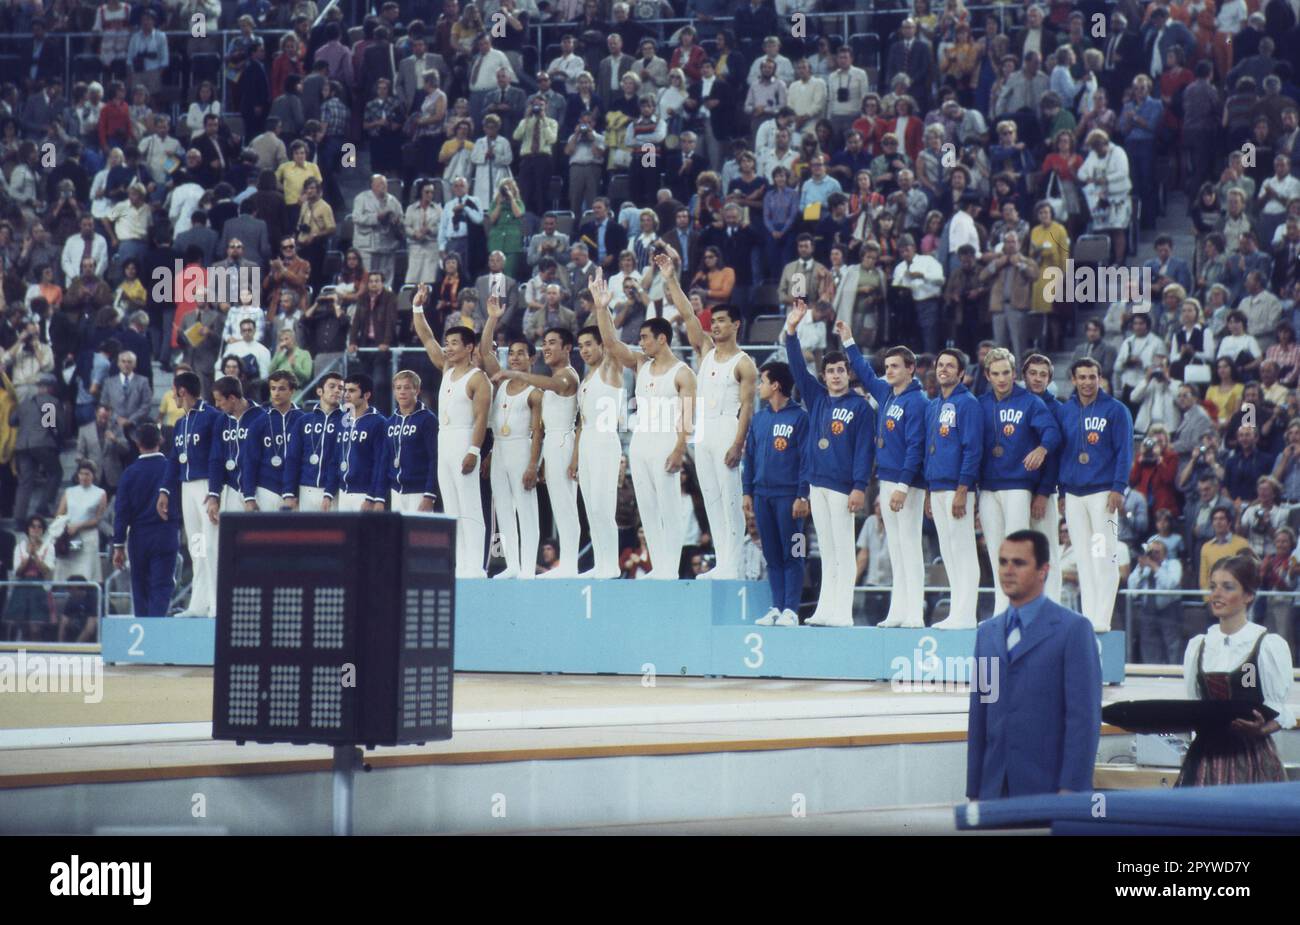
pixel 139 534
pixel 1036 729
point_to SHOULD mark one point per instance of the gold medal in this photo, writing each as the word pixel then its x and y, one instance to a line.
pixel 823 443
pixel 505 430
pixel 997 451
pixel 1083 458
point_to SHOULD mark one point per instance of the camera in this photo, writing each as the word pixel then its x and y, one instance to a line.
pixel 304 228
pixel 842 95
pixel 537 107
pixel 1148 444
pixel 1203 449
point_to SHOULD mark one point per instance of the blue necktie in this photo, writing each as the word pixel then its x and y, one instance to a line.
pixel 1013 629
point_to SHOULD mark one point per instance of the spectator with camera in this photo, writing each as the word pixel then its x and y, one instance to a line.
pixel 453 232
pixel 585 150
pixel 1155 397
pixel 1160 616
pixel 29 360
pixel 1155 471
pixel 1263 517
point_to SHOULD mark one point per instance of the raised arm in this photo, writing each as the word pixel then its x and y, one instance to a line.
pixel 668 262
pixel 613 344
pixel 422 329
pixel 564 383
pixel 487 343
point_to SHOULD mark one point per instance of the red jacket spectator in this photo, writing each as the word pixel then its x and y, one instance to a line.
pixel 115 124
pixel 1156 481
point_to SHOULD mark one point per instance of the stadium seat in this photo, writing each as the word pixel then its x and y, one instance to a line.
pixel 404 298
pixel 620 189
pixel 765 329
pixel 397 188
pixel 333 263
pixel 1092 249
pixel 866 49
pixel 87 67
pixel 765 296
pixel 555 191
pixel 204 65
pixel 565 223
pixel 588 216
pixel 234 122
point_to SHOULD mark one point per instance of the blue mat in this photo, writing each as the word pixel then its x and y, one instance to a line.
pixel 1249 809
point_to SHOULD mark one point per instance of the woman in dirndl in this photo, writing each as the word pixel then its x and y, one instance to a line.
pixel 1237 660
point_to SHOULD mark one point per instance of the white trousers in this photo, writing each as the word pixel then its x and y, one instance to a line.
pixel 721 487
pixel 405 504
pixel 557 453
pixel 960 556
pixel 599 458
pixel 462 499
pixel 1002 513
pixel 349 502
pixel 310 498
pixel 659 500
pixel 268 500
pixel 1096 553
pixel 516 508
pixel 903 538
pixel 834 523
pixel 201 536
pixel 1050 525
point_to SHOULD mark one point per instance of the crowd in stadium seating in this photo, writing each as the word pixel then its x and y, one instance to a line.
pixel 928 172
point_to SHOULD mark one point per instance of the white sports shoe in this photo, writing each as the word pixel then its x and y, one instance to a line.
pixel 952 623
pixel 787 618
pixel 890 623
pixel 767 619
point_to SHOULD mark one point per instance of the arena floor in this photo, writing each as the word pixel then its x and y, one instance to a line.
pixel 154 722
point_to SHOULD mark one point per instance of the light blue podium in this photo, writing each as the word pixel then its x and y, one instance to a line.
pixel 571 626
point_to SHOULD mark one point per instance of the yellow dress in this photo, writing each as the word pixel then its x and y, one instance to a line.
pixel 168 411
pixel 1050 247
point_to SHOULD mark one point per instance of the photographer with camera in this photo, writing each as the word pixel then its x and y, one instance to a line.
pixel 536 135
pixel 1155 397
pixel 147 52
pixel 29 359
pixel 585 150
pixel 457 214
pixel 1155 471
pixel 1160 617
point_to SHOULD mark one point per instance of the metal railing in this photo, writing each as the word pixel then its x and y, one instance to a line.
pixel 1127 594
pixel 54 589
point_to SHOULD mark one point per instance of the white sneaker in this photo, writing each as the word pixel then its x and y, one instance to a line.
pixel 767 619
pixel 787 618
pixel 847 622
pixel 1100 629
pixel 890 622
pixel 953 623
pixel 507 574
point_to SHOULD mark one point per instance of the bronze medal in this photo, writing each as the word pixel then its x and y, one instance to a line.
pixel 505 430
pixel 1083 458
pixel 997 451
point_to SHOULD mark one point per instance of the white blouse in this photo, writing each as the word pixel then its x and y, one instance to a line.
pixel 1226 654
pixel 45 554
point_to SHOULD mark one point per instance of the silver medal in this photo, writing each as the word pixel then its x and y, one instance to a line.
pixel 277 461
pixel 184 458
pixel 230 465
pixel 343 467
pixel 315 459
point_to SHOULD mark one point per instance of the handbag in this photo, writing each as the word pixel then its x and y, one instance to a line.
pixel 1196 373
pixel 1060 208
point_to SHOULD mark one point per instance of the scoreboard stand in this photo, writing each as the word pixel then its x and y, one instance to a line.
pixel 335 629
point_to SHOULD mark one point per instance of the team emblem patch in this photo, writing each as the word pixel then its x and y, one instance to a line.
pixel 779 444
pixel 889 423
pixel 1008 430
pixel 1093 437
pixel 837 427
pixel 943 431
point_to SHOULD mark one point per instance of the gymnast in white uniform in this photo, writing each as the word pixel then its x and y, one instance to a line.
pixel 728 381
pixel 665 393
pixel 464 400
pixel 516 449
